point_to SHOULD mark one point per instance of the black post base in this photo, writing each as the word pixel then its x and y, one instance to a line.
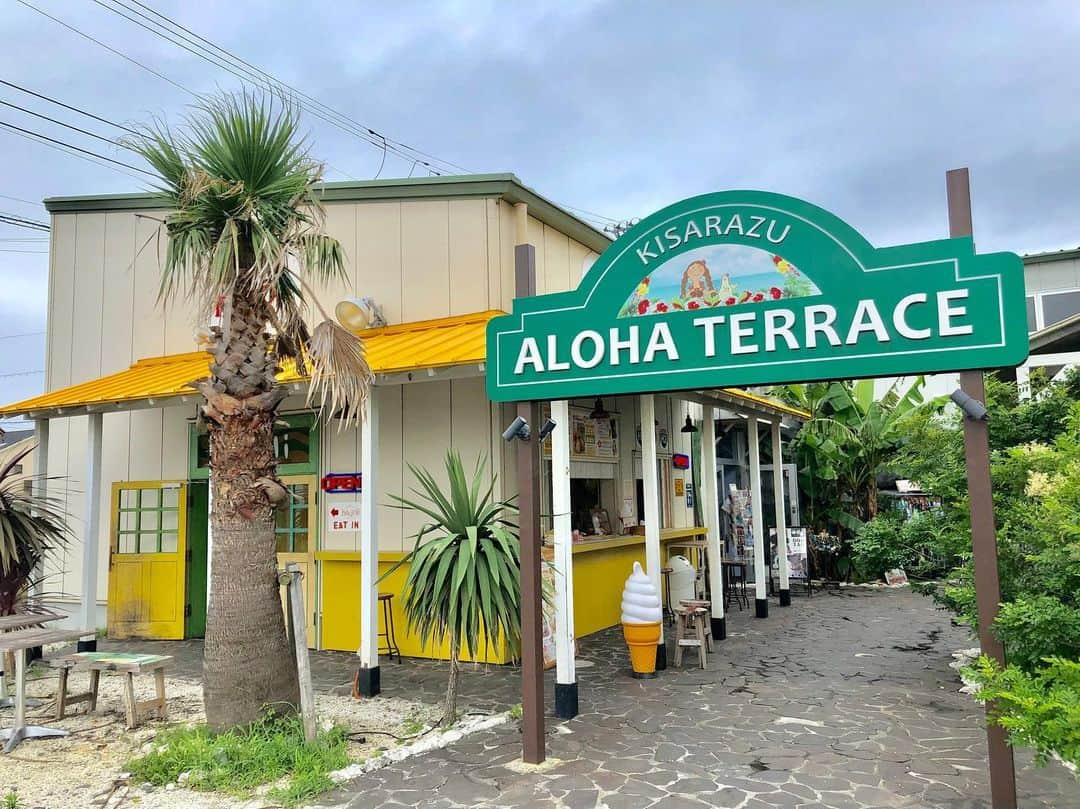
pixel 643 675
pixel 719 628
pixel 761 607
pixel 785 598
pixel 367 682
pixel 86 645
pixel 661 657
pixel 566 700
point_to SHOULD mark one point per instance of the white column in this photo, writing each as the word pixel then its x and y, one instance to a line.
pixel 651 487
pixel 41 489
pixel 761 605
pixel 781 514
pixel 565 674
pixel 711 511
pixel 369 547
pixel 93 521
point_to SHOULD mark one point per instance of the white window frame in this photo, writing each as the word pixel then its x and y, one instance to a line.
pixel 1040 319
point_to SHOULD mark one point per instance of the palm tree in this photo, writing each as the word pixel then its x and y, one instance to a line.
pixel 245 236
pixel 464 569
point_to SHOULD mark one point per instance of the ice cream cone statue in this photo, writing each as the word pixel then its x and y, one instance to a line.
pixel 641 616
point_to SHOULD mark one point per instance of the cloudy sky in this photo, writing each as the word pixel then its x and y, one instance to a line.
pixel 616 108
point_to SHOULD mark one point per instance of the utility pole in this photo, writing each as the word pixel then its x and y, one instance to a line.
pixel 983 533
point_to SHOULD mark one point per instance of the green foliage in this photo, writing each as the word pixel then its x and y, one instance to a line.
pixel 848 440
pixel 463 569
pixel 240 760
pixel 1040 710
pixel 516 711
pixel 12 800
pixel 32 528
pixel 1034 627
pixel 877 547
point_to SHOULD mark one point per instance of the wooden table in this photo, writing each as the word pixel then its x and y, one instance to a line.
pixel 9 623
pixel 18 641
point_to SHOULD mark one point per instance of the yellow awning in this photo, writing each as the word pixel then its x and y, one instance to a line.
pixel 410 347
pixel 403 349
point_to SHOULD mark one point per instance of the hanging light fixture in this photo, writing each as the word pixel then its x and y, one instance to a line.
pixel 598 411
pixel 689 426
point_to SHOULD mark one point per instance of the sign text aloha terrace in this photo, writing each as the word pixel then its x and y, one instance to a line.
pixel 748 287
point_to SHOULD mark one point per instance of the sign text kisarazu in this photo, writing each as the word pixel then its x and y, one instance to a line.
pixel 746 288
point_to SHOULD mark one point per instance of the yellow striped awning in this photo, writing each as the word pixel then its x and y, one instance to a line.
pixel 402 349
pixel 405 349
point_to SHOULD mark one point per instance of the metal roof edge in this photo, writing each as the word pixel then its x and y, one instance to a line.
pixel 1051 255
pixel 503 185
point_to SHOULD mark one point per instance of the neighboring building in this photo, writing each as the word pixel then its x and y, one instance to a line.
pixel 437 254
pixel 1053 296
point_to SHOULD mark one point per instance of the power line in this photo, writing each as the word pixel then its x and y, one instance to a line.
pixel 66 145
pixel 69 126
pixel 20 199
pixel 27 239
pixel 215 54
pixel 52 100
pixel 22 221
pixel 35 252
pixel 24 334
pixel 20 373
pixel 106 47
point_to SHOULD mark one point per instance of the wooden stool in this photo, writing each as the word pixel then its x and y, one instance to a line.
pixel 691 630
pixel 127 664
pixel 388 627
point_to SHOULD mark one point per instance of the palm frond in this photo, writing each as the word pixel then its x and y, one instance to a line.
pixel 341 378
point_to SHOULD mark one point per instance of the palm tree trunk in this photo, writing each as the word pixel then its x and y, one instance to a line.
pixel 450 708
pixel 248 665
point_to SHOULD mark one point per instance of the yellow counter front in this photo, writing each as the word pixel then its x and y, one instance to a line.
pixel 601 565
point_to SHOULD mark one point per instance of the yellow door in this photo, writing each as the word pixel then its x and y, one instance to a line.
pixel 297 525
pixel 147 560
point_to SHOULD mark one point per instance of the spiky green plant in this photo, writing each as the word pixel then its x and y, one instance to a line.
pixel 32 527
pixel 464 567
pixel 245 236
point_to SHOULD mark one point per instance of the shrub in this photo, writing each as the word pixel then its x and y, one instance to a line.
pixel 1039 709
pixel 877 547
pixel 1035 627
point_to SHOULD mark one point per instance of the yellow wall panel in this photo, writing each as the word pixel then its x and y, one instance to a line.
pixel 468 256
pixel 378 256
pixel 87 311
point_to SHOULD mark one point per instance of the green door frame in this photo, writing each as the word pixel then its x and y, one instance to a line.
pixel 199 508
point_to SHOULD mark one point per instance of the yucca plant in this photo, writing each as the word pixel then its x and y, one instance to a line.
pixel 32 528
pixel 463 569
pixel 245 236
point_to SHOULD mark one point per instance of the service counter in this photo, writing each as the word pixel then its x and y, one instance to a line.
pixel 601 566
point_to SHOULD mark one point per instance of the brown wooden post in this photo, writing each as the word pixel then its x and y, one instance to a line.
pixel 528 481
pixel 983 534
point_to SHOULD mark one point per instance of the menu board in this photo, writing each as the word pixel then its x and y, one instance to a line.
pixel 590 439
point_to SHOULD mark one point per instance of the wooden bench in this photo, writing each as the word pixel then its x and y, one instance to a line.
pixel 123 663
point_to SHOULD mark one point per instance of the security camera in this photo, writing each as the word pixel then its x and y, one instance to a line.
pixel 519 428
pixel 973 408
pixel 545 430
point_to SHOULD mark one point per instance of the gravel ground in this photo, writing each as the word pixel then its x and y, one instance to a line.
pixel 84 769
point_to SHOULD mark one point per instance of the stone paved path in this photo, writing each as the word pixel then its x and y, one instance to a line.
pixel 842 700
pixel 845 700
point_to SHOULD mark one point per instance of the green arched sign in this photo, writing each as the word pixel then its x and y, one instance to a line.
pixel 748 288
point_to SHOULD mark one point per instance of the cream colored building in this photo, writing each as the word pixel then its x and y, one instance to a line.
pixel 437 254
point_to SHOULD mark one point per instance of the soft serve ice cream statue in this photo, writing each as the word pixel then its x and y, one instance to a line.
pixel 641 617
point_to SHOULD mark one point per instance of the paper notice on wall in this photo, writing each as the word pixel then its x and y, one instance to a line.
pixel 796 553
pixel 343 517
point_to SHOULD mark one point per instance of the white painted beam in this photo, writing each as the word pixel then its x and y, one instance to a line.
pixel 710 503
pixel 761 601
pixel 369 547
pixel 565 674
pixel 41 489
pixel 781 514
pixel 91 537
pixel 651 486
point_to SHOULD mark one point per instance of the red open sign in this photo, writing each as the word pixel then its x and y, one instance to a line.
pixel 342 482
pixel 680 461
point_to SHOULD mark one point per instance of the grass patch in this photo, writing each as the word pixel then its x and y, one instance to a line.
pixel 239 761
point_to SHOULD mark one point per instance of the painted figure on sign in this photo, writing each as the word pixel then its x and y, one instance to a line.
pixel 697 280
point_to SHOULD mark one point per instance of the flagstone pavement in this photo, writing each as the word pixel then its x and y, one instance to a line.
pixel 842 700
